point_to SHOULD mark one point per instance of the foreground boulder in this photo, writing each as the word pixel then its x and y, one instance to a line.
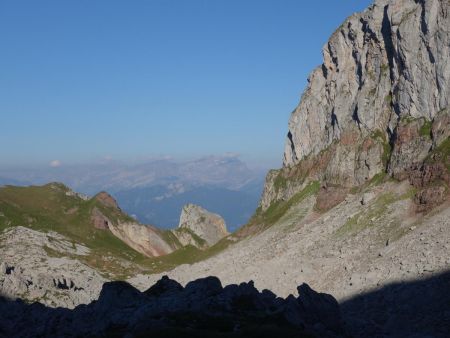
pixel 202 309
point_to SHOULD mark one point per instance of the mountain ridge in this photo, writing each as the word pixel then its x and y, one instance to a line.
pixel 376 106
pixel 362 200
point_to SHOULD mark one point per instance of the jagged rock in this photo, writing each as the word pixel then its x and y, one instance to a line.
pixel 378 103
pixel 410 147
pixel 276 192
pixel 99 220
pixel 198 225
pixel 440 129
pixel 145 239
pixel 429 198
pixel 44 267
pixel 425 174
pixel 387 62
pixel 432 179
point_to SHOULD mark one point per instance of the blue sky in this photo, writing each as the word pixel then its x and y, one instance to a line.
pixel 85 79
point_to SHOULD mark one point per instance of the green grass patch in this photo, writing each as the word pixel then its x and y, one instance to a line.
pixel 171 239
pixel 280 182
pixel 377 179
pixel 379 136
pixel 51 208
pixel 389 99
pixel 186 255
pixel 374 213
pixel 440 154
pixel 368 217
pixel 385 68
pixel 48 207
pixel 200 242
pixel 425 129
pixel 279 208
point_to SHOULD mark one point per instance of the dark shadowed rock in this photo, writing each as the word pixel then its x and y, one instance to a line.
pixel 208 286
pixel 320 308
pixel 163 287
pixel 202 309
pixel 118 294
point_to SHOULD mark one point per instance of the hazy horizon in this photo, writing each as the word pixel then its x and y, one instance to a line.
pixel 89 80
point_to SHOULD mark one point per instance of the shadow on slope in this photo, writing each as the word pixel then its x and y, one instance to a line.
pixel 418 308
pixel 201 309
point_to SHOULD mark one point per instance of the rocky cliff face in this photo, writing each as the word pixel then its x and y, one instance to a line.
pixel 145 239
pixel 200 227
pixel 378 103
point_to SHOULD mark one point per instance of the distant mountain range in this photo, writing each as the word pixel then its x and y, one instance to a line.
pixel 159 205
pixel 154 191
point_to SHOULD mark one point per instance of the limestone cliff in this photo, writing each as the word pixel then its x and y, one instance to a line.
pixel 199 227
pixel 378 103
pixel 145 239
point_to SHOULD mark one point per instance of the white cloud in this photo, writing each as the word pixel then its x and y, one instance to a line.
pixel 55 163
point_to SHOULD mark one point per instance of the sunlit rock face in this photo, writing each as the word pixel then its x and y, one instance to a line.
pixel 208 226
pixel 381 67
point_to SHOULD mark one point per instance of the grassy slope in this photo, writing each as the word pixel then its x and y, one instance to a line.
pixel 50 208
pixel 263 220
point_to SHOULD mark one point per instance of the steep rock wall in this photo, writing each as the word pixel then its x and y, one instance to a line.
pixel 378 103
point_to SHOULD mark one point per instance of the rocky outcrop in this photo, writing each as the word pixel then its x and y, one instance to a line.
pixel 107 200
pixel 145 239
pixel 99 220
pixel 199 227
pixel 46 267
pixel 412 145
pixel 387 62
pixel 201 309
pixel 432 181
pixel 378 103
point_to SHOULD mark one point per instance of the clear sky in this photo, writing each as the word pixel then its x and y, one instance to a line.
pixel 87 79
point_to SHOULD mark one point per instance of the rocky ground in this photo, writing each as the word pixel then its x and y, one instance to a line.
pixel 360 209
pixel 364 244
pixel 36 266
pixel 371 242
